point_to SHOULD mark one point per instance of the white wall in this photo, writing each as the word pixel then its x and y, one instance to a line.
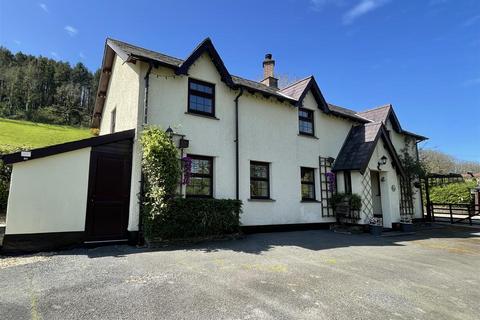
pixel 49 194
pixel 122 95
pixel 268 132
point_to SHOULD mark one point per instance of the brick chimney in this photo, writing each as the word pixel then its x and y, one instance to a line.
pixel 268 77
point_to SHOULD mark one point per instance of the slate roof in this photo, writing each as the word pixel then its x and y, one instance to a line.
pixel 379 114
pixel 296 89
pixel 385 112
pixel 347 113
pixel 139 52
pixel 293 93
pixel 359 146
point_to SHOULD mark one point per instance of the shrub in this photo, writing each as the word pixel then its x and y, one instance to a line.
pixel 161 169
pixel 194 218
pixel 47 115
pixel 452 193
pixel 353 200
pixel 166 216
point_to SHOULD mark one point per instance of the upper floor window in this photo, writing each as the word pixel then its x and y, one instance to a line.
pixel 305 121
pixel 259 180
pixel 308 183
pixel 201 97
pixel 201 178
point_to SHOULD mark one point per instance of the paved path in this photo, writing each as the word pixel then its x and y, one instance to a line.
pixel 433 274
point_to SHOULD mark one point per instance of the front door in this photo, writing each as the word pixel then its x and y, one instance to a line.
pixel 109 192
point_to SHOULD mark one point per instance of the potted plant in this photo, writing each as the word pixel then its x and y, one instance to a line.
pixel 376 226
pixel 346 207
pixel 406 224
pixel 340 205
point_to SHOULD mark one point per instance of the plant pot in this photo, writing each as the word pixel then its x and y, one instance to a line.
pixel 376 230
pixel 406 227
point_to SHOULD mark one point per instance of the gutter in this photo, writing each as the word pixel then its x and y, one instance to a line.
pixel 145 98
pixel 237 154
pixel 141 238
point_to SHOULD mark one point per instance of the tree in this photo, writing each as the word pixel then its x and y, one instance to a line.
pixel 42 89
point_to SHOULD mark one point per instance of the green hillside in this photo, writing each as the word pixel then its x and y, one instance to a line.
pixel 15 133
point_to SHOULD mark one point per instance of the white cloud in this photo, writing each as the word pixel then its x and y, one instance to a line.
pixel 471 21
pixel 71 30
pixel 82 55
pixel 44 7
pixel 362 8
pixel 318 5
pixel 54 54
pixel 471 82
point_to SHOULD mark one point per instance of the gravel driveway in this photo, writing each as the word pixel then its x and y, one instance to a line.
pixel 434 274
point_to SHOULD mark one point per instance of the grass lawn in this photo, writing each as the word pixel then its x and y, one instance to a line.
pixel 15 133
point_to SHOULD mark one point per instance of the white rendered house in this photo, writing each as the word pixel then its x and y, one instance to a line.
pixel 273 148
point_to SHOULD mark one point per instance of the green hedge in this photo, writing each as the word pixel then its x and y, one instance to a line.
pixel 452 193
pixel 194 218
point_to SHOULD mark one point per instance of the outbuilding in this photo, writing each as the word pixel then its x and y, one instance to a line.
pixel 70 193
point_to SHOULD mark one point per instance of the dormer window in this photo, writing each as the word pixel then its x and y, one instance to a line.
pixel 305 122
pixel 201 97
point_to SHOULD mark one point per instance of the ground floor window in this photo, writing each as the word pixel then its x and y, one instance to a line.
pixel 201 179
pixel 259 180
pixel 308 183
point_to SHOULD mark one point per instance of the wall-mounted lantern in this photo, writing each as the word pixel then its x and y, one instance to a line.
pixel 169 132
pixel 382 162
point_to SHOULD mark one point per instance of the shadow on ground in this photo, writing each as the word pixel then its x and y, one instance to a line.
pixel 314 240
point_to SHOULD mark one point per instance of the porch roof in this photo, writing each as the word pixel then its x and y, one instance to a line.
pixel 358 148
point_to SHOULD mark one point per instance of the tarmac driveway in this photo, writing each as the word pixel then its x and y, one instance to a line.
pixel 434 274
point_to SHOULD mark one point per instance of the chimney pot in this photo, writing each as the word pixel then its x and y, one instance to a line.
pixel 268 75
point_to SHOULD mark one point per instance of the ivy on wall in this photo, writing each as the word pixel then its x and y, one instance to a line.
pixel 165 214
pixel 161 169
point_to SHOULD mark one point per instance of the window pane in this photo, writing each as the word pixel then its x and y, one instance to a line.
pixel 307 175
pixel 259 188
pixel 201 166
pixel 259 171
pixel 199 186
pixel 308 191
pixel 201 104
pixel 305 126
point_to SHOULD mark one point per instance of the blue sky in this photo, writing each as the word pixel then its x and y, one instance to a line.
pixel 421 56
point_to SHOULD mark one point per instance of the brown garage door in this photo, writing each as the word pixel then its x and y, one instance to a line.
pixel 109 192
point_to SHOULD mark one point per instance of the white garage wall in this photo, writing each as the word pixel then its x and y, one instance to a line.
pixel 49 194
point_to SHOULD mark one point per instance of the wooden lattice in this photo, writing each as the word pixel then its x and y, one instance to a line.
pixel 367 196
pixel 406 198
pixel 326 190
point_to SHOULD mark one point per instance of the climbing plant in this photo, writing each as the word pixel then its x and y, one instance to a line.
pixel 161 169
pixel 165 214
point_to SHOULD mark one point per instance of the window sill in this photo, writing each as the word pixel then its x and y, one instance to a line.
pixel 261 200
pixel 307 136
pixel 310 201
pixel 202 115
